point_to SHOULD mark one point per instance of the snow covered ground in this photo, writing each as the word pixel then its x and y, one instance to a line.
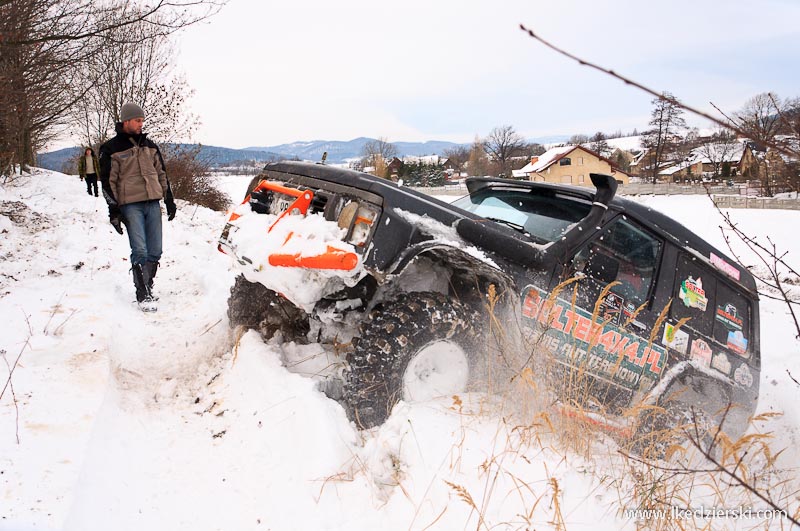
pixel 116 419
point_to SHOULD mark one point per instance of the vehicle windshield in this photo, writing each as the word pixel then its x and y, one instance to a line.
pixel 544 218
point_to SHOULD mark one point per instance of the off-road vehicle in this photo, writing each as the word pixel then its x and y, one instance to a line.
pixel 613 304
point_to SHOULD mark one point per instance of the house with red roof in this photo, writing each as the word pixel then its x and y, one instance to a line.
pixel 569 165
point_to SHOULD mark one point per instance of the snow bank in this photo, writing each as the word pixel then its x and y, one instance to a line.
pixel 165 422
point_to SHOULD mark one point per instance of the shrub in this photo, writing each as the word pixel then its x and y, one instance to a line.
pixel 190 179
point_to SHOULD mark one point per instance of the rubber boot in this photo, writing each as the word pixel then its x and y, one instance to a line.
pixel 143 297
pixel 150 269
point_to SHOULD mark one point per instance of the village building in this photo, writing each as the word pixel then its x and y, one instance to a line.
pixel 713 160
pixel 569 165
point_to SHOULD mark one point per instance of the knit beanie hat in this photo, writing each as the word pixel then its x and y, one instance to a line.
pixel 130 111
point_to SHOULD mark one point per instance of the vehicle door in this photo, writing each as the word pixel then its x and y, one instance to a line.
pixel 599 310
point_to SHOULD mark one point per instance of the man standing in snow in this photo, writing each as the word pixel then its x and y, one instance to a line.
pixel 134 181
pixel 87 169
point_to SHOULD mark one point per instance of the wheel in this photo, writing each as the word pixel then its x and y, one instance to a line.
pixel 416 347
pixel 678 424
pixel 253 306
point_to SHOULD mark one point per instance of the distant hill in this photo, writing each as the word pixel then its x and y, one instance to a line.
pixel 58 160
pixel 340 151
pixel 222 156
pixel 217 156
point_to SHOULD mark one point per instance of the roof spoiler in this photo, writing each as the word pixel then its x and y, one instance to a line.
pixel 503 241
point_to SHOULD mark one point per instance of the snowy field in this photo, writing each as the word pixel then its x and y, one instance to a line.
pixel 118 420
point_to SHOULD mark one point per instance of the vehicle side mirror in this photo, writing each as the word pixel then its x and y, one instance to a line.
pixel 580 260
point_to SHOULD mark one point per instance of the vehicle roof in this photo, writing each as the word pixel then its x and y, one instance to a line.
pixel 656 221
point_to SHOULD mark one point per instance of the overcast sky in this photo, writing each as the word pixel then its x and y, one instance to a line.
pixel 267 72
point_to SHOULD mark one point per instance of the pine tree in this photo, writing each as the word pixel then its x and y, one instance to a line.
pixel 666 121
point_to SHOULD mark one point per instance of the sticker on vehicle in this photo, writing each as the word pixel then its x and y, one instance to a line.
pixel 724 266
pixel 628 316
pixel 611 308
pixel 675 339
pixel 574 339
pixel 701 352
pixel 721 363
pixel 737 342
pixel 743 376
pixel 729 317
pixel 692 294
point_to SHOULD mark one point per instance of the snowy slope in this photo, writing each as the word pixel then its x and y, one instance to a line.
pixel 166 422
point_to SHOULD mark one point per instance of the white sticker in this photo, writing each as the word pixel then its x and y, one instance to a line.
pixel 675 339
pixel 701 352
pixel 743 376
pixel 721 362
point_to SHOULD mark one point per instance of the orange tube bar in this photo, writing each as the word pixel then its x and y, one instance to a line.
pixel 333 258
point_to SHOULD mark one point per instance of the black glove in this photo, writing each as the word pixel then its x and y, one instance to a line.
pixel 117 223
pixel 115 217
pixel 171 208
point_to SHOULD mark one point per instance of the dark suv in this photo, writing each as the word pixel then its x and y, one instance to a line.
pixel 613 305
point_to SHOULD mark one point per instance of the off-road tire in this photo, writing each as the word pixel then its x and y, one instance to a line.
pixel 253 306
pixel 678 424
pixel 395 332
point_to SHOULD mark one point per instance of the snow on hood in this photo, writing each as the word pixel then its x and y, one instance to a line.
pixel 305 236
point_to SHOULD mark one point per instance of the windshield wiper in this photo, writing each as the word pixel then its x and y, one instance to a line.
pixel 515 226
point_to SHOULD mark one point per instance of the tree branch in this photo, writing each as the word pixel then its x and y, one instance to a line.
pixel 674 101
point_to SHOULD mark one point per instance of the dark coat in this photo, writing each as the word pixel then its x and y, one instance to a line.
pixel 132 170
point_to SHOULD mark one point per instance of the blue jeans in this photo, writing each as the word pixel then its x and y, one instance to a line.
pixel 143 221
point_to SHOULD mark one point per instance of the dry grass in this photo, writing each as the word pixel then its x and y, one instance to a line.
pixel 670 469
pixel 555 441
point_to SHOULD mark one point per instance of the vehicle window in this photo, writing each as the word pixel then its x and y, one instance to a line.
pixel 544 218
pixel 623 252
pixel 732 319
pixel 695 288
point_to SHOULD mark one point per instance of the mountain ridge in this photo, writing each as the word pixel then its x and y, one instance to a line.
pixel 339 151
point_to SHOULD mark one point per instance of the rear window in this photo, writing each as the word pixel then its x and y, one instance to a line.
pixel 544 218
pixel 714 308
pixel 732 315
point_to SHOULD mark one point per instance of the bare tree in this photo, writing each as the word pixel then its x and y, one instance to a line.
pixel 478 164
pixel 44 46
pixel 377 153
pixel 83 20
pixel 578 139
pixel 190 177
pixel 140 72
pixel 34 80
pixel 719 149
pixel 380 146
pixel 535 149
pixel 457 157
pixel 502 144
pixel 760 117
